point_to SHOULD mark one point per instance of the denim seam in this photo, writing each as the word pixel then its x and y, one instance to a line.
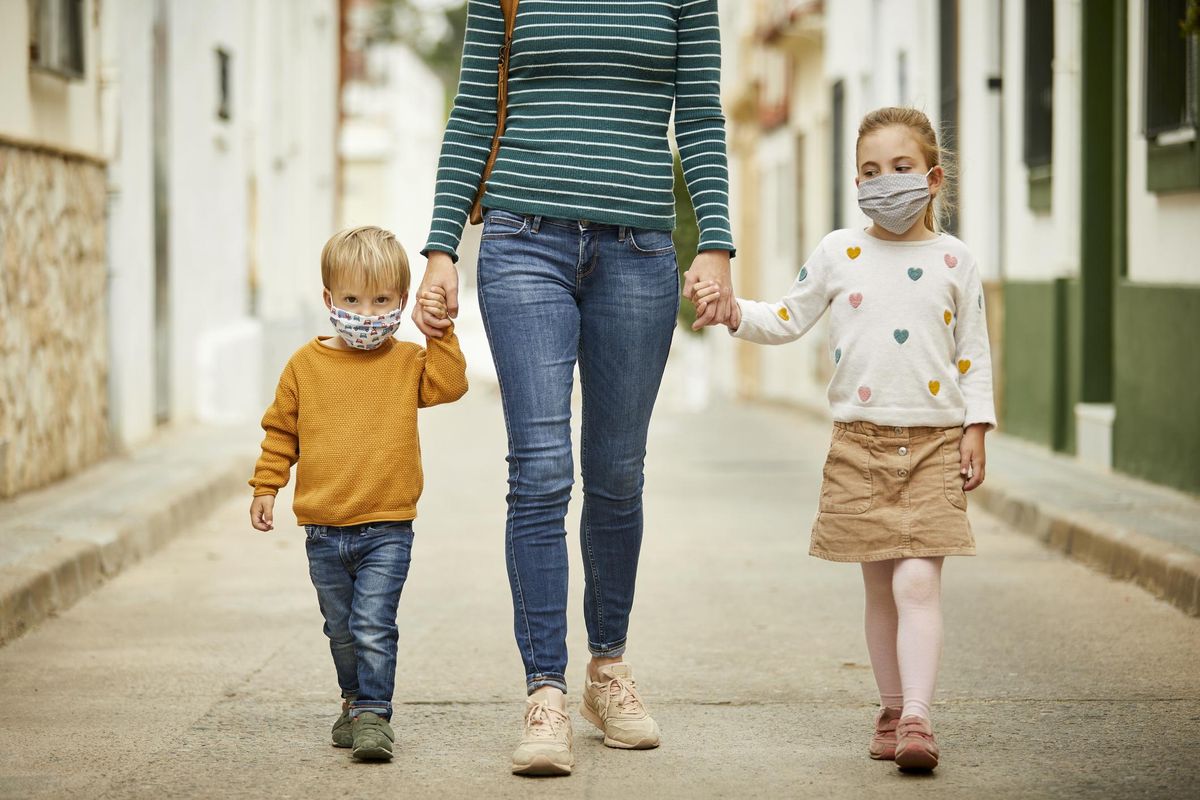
pixel 585 517
pixel 508 523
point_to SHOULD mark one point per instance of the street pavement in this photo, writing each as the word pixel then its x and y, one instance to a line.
pixel 202 671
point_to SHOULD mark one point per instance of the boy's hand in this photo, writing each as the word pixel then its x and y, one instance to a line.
pixel 971 456
pixel 433 303
pixel 439 271
pixel 262 512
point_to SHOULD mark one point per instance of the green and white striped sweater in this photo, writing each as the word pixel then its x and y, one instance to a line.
pixel 591 88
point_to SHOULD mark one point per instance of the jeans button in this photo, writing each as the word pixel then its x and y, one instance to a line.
pixel 899 430
pixel 903 451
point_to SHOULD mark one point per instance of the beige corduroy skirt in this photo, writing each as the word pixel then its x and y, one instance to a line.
pixel 892 492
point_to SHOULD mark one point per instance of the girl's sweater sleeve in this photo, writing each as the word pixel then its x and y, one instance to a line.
pixel 972 352
pixel 790 318
pixel 699 123
pixel 444 371
pixel 281 445
pixel 468 138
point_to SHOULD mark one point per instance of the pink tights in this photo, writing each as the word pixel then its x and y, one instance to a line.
pixel 904 630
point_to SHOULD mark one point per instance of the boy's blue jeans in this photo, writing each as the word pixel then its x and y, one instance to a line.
pixel 554 293
pixel 359 572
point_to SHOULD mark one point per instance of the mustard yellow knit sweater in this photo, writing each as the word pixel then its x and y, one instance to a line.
pixel 348 420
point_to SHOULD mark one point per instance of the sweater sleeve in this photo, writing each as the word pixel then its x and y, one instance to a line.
pixel 468 138
pixel 972 352
pixel 790 318
pixel 281 445
pixel 699 123
pixel 443 372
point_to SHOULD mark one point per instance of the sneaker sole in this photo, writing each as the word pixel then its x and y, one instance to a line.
pixel 372 754
pixel 543 766
pixel 336 743
pixel 916 759
pixel 594 718
pixel 886 755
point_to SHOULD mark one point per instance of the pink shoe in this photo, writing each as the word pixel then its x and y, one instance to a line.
pixel 916 749
pixel 883 743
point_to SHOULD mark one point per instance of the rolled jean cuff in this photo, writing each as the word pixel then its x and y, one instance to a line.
pixel 535 682
pixel 611 650
pixel 381 708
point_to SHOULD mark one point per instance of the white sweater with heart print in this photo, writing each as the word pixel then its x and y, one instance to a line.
pixel 908 333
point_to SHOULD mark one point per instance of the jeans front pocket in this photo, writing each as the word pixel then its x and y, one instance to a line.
pixel 846 485
pixel 651 243
pixel 503 225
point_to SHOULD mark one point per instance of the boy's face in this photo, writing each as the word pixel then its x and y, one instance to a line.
pixel 363 300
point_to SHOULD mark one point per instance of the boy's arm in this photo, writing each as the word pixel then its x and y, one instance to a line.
pixel 790 318
pixel 443 371
pixel 281 445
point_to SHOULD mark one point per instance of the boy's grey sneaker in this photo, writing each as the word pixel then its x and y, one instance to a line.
pixel 373 737
pixel 342 736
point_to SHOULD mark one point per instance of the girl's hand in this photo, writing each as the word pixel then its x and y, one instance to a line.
pixel 262 512
pixel 710 266
pixel 703 293
pixel 433 303
pixel 972 459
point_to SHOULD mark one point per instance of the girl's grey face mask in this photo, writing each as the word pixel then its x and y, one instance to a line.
pixel 895 201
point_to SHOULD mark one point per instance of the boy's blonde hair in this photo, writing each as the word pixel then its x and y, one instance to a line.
pixel 935 155
pixel 368 255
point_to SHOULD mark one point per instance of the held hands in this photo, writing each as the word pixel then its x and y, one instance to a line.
pixel 262 512
pixel 433 304
pixel 717 306
pixel 971 456
pixel 440 273
pixel 706 295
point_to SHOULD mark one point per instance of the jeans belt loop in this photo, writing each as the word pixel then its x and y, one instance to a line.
pixel 623 234
pixel 537 224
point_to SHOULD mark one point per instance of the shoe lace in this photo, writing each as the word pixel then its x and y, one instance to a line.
pixel 624 692
pixel 542 721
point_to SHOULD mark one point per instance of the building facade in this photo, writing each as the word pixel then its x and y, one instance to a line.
pixel 167 178
pixel 1078 188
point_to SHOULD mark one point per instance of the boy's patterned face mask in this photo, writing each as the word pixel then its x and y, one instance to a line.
pixel 894 201
pixel 365 333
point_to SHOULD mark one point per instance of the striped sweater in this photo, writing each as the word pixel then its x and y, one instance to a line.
pixel 591 88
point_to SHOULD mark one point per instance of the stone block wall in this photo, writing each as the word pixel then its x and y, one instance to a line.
pixel 53 317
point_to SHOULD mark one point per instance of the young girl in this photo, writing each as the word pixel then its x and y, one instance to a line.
pixel 912 399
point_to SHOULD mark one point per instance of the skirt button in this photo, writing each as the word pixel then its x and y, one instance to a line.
pixel 903 451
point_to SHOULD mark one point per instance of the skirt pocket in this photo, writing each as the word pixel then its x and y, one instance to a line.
pixel 951 477
pixel 846 485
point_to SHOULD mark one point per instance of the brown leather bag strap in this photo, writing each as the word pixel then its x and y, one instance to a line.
pixel 509 7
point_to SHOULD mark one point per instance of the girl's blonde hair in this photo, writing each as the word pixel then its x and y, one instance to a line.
pixel 366 255
pixel 938 210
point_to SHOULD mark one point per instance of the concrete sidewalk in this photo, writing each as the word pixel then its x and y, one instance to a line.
pixel 1123 527
pixel 59 543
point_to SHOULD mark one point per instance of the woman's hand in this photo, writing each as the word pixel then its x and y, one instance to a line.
pixel 971 456
pixel 710 266
pixel 440 272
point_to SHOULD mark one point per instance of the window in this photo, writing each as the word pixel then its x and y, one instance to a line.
pixel 1171 47
pixel 839 150
pixel 224 78
pixel 1039 99
pixel 56 37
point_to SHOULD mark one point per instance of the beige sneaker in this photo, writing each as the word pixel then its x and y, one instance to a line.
pixel 614 706
pixel 546 746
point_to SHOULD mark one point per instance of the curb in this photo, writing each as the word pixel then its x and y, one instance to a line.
pixel 55 578
pixel 1166 571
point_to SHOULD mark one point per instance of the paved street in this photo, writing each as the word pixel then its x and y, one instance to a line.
pixel 202 671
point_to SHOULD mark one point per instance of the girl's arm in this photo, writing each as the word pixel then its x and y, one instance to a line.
pixel 468 138
pixel 790 318
pixel 972 353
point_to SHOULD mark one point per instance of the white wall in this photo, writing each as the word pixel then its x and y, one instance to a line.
pixel 1164 237
pixel 1032 240
pixel 127 71
pixel 44 108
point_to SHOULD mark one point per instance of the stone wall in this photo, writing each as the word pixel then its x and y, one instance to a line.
pixel 53 317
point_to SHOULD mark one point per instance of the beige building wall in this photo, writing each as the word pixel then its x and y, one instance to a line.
pixel 53 318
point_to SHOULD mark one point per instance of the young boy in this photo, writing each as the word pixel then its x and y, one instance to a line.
pixel 345 412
